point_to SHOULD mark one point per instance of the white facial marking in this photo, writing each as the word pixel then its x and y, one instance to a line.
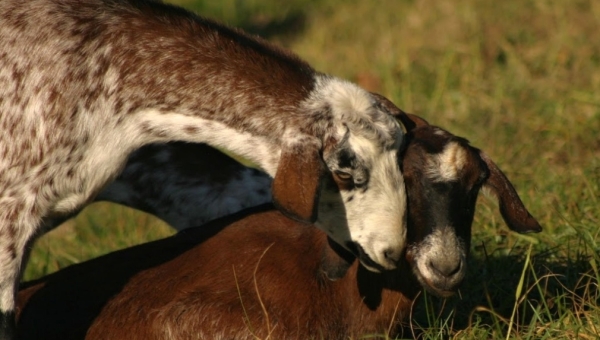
pixel 447 165
pixel 346 98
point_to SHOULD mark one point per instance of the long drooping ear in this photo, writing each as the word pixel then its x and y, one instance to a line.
pixel 512 208
pixel 335 260
pixel 297 182
pixel 410 121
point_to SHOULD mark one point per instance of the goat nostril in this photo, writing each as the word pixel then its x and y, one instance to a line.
pixel 445 267
pixel 391 255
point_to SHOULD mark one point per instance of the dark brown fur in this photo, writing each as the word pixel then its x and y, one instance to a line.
pixel 199 287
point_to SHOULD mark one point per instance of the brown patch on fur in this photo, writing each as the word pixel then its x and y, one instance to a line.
pixel 269 256
pixel 191 130
pixel 12 251
pixel 296 185
pixel 25 295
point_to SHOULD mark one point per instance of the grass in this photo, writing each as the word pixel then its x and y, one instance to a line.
pixel 97 230
pixel 519 78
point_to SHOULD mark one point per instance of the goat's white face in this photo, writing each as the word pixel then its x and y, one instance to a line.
pixel 362 204
pixel 367 185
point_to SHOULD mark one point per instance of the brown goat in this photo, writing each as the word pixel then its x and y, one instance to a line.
pixel 260 274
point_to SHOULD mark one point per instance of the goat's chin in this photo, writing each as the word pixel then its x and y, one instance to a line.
pixel 437 290
pixel 441 289
pixel 443 293
pixel 369 268
pixel 366 260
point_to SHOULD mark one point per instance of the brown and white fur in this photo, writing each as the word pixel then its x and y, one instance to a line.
pixel 278 278
pixel 83 83
pixel 186 184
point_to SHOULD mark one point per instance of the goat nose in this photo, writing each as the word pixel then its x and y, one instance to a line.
pixel 445 267
pixel 392 254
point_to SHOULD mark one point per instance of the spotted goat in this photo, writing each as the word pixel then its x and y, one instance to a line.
pixel 83 83
pixel 278 279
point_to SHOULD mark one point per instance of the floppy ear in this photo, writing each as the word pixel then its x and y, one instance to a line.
pixel 512 209
pixel 409 120
pixel 297 182
pixel 336 260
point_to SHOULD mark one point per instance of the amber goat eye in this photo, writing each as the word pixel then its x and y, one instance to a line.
pixel 344 176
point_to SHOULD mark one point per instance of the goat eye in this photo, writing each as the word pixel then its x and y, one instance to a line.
pixel 344 176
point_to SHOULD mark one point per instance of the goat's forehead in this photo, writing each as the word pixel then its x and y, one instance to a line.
pixel 341 95
pixel 354 110
pixel 439 156
pixel 447 165
pixel 369 148
pixel 383 132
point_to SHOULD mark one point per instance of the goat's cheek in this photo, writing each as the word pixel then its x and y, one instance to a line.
pixel 332 218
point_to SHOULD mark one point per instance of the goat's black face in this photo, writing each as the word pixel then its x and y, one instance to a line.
pixel 443 175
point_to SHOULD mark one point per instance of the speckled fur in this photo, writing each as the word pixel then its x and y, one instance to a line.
pixel 83 83
pixel 186 184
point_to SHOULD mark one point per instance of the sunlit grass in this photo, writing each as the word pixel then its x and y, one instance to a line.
pixel 519 78
pixel 99 229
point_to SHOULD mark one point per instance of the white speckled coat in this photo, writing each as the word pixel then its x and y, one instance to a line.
pixel 83 83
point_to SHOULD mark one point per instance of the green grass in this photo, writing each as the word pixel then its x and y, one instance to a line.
pixel 519 78
pixel 98 229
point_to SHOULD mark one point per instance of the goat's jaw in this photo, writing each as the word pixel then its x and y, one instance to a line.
pixel 379 248
pixel 375 264
pixel 369 220
pixel 366 261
